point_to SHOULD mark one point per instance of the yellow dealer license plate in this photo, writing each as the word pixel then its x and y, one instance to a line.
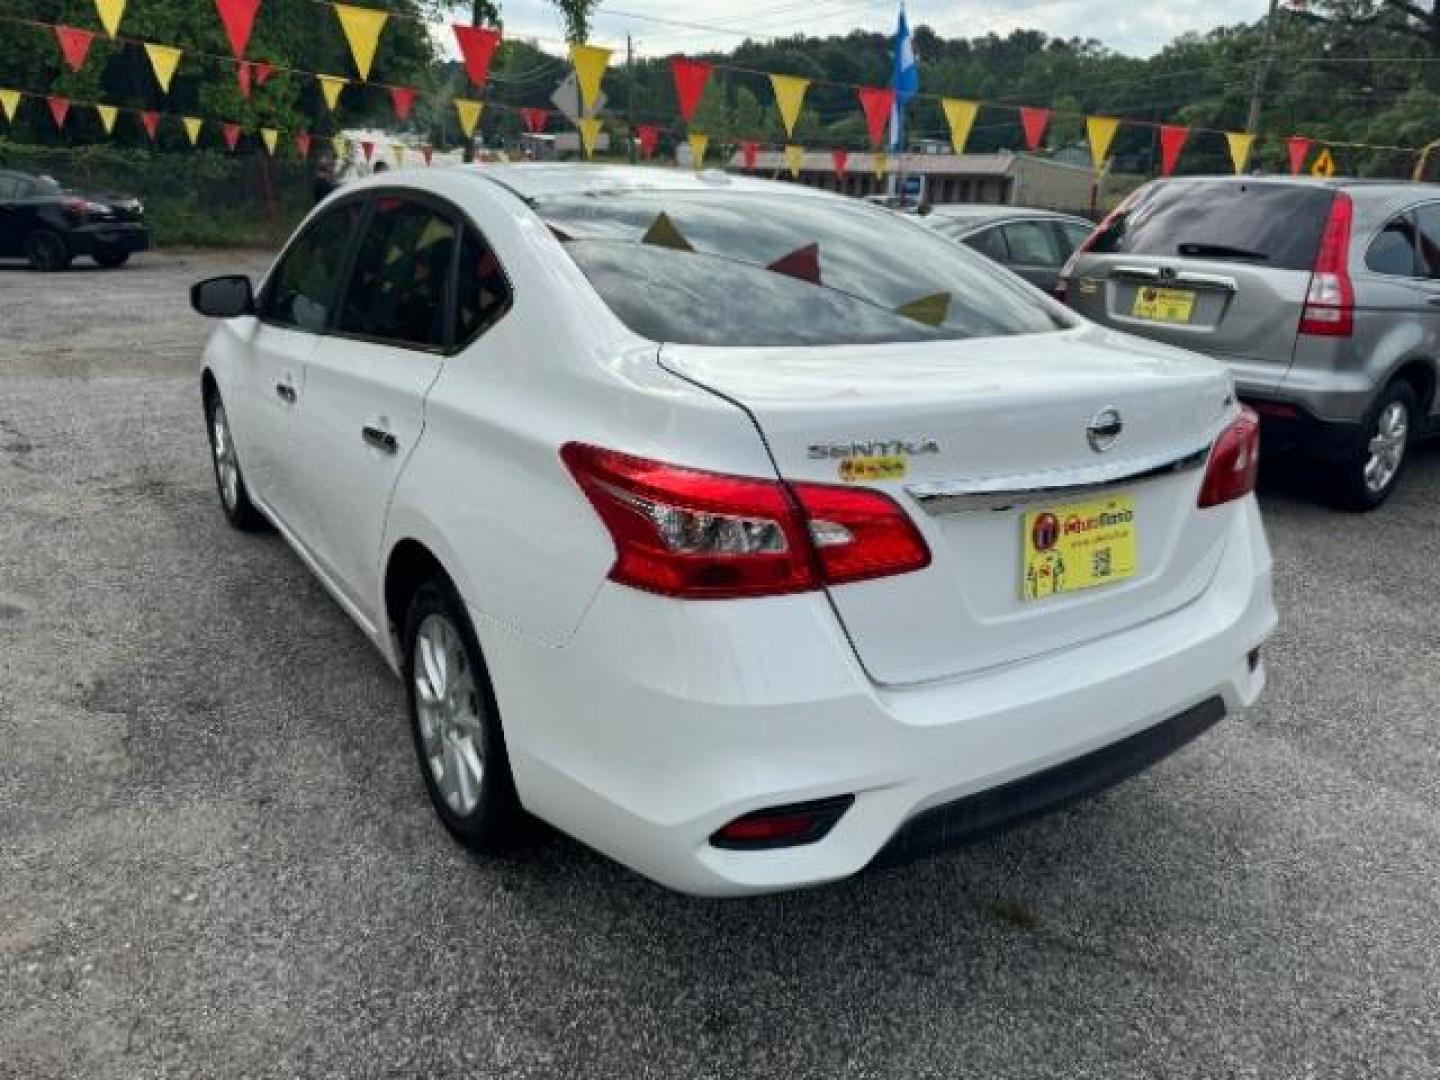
pixel 1078 546
pixel 1164 305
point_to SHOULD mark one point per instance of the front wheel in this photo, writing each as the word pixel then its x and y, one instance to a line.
pixel 455 723
pixel 1368 475
pixel 229 480
pixel 111 260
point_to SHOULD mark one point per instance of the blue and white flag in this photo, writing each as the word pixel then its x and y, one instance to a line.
pixel 906 81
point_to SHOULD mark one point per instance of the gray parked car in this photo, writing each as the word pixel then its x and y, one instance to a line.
pixel 1032 243
pixel 1323 296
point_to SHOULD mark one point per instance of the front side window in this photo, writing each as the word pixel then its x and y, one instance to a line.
pixel 9 187
pixel 1032 243
pixel 302 288
pixel 1393 250
pixel 398 289
pixel 989 243
pixel 752 269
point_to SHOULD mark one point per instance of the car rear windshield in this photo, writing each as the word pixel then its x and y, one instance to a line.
pixel 1267 224
pixel 753 269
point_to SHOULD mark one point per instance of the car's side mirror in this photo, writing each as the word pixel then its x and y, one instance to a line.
pixel 223 297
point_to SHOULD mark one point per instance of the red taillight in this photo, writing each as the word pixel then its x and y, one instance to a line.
pixel 706 536
pixel 1330 304
pixel 1062 284
pixel 1234 464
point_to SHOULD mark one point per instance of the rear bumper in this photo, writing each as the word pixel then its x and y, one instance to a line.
pixel 127 237
pixel 1287 424
pixel 661 722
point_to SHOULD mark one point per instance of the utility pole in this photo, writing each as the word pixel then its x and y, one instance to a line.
pixel 630 95
pixel 1262 72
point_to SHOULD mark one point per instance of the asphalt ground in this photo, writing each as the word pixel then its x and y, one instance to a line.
pixel 216 856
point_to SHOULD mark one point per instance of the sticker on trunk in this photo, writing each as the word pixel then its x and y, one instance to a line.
pixel 859 469
pixel 1077 546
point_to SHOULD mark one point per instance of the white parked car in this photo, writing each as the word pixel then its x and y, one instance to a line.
pixel 749 534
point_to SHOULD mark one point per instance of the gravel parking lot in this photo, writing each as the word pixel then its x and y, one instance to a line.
pixel 216 856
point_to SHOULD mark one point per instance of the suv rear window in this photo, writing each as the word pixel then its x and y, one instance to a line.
pixel 753 269
pixel 1268 224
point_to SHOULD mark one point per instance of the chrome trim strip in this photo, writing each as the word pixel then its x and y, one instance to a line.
pixel 957 496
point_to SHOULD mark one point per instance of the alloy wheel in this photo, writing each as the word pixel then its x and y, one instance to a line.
pixel 1387 446
pixel 227 467
pixel 448 710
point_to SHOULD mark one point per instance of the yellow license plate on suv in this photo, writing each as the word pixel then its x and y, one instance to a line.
pixel 1164 305
pixel 1078 546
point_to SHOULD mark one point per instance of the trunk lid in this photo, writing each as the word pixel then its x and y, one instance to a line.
pixel 977 421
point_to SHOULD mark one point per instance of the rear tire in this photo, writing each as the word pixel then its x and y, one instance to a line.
pixel 229 480
pixel 455 723
pixel 1365 478
pixel 112 260
pixel 47 251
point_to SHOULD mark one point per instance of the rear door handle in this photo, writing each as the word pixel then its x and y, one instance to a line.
pixel 381 440
pixel 286 392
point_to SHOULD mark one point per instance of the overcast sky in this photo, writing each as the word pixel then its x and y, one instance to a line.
pixel 1136 27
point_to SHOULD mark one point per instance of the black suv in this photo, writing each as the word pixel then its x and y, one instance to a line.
pixel 49 225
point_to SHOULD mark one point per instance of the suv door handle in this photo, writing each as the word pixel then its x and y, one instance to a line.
pixel 286 392
pixel 381 440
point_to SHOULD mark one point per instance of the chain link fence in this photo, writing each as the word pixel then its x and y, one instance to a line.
pixel 196 197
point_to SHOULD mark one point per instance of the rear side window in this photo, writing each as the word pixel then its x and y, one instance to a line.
pixel 302 288
pixel 1073 235
pixel 1393 251
pixel 9 187
pixel 1032 243
pixel 399 287
pixel 482 294
pixel 990 243
pixel 1267 224
pixel 753 269
pixel 1427 240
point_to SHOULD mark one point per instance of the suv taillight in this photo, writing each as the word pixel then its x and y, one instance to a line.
pixel 1062 283
pixel 1330 304
pixel 1234 463
pixel 707 536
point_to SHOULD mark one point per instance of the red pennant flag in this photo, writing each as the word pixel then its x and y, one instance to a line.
pixel 535 119
pixel 242 73
pixel 1172 140
pixel 59 109
pixel 368 148
pixel 649 135
pixel 404 99
pixel 877 101
pixel 74 45
pixel 477 46
pixel 839 158
pixel 1299 148
pixel 1034 122
pixel 151 120
pixel 690 79
pixel 302 143
pixel 239 19
pixel 749 148
pixel 232 135
pixel 263 71
pixel 427 152
pixel 802 263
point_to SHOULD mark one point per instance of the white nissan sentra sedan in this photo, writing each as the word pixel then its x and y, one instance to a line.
pixel 750 534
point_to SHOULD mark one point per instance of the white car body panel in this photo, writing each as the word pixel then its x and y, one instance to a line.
pixel 639 723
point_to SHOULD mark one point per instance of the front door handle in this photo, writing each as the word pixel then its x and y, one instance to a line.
pixel 286 392
pixel 381 440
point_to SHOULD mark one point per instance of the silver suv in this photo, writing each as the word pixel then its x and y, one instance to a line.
pixel 1323 296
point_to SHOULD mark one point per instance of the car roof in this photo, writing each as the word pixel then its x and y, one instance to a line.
pixel 538 180
pixel 1349 183
pixel 979 215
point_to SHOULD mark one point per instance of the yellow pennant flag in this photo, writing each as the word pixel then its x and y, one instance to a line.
pixel 881 164
pixel 163 59
pixel 469 115
pixel 110 12
pixel 794 160
pixel 1100 130
pixel 590 63
pixel 698 143
pixel 789 96
pixel 271 138
pixel 192 128
pixel 330 86
pixel 1240 144
pixel 589 133
pixel 9 101
pixel 107 117
pixel 362 28
pixel 399 151
pixel 960 115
